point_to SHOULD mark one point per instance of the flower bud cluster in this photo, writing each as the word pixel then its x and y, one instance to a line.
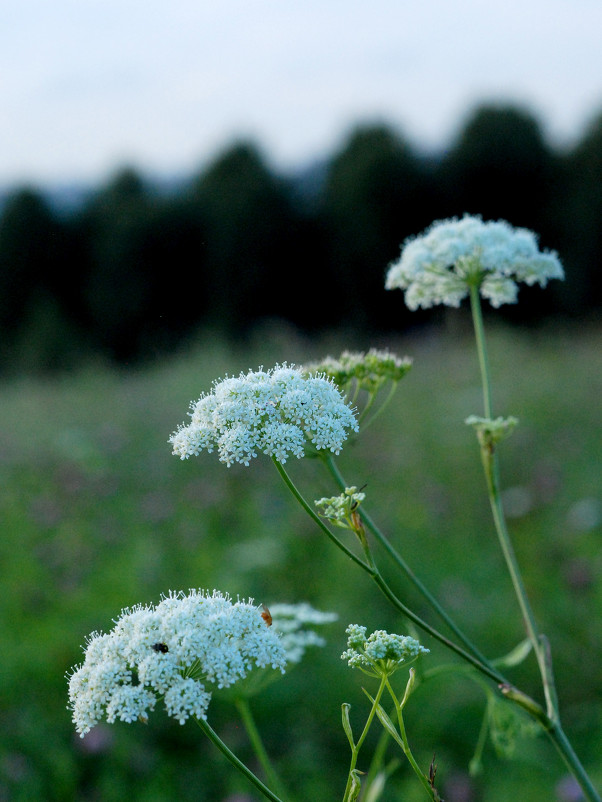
pixel 369 370
pixel 178 651
pixel 275 412
pixel 380 653
pixel 441 265
pixel 339 509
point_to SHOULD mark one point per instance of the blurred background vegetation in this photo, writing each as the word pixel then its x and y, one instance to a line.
pixel 136 268
pixel 97 514
pixel 118 309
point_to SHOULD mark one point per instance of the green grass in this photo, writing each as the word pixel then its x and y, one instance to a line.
pixel 97 515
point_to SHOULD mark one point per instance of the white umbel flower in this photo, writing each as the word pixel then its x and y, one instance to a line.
pixel 179 650
pixel 440 266
pixel 294 623
pixel 275 412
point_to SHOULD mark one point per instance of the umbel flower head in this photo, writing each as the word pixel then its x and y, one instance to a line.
pixel 440 265
pixel 275 412
pixel 294 623
pixel 380 653
pixel 178 651
pixel 369 370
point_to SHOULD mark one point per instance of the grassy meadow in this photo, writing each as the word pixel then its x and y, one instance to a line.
pixel 97 515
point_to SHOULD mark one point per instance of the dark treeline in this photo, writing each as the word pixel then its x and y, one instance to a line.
pixel 132 271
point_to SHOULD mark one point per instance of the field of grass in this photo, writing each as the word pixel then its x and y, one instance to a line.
pixel 97 515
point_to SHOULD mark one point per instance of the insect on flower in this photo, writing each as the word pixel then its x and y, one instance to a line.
pixel 267 616
pixel 160 647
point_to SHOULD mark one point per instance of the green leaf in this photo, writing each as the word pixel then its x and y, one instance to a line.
pixel 516 656
pixel 356 785
pixel 345 708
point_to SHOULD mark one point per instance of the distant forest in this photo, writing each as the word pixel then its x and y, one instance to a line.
pixel 134 270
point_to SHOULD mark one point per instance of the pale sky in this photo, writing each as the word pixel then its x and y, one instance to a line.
pixel 87 86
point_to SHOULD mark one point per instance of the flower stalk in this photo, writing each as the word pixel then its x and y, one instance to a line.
pixel 405 568
pixel 236 762
pixel 248 720
pixel 491 468
pixel 370 567
pixel 550 719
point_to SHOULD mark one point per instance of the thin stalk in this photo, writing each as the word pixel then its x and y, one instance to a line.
pixel 242 704
pixel 381 408
pixel 491 466
pixel 562 744
pixel 214 737
pixel 355 751
pixel 405 568
pixel 551 725
pixel 406 746
pixel 476 761
pixel 380 582
pixel 378 758
pixel 479 330
pixel 551 721
pixel 521 594
pixel 484 668
pixel 315 517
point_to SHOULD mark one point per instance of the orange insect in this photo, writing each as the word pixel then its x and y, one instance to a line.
pixel 267 616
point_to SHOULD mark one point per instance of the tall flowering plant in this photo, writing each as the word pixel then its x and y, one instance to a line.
pixel 191 646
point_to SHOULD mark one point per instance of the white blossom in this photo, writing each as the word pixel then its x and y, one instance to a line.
pixel 293 622
pixel 275 412
pixel 439 266
pixel 180 651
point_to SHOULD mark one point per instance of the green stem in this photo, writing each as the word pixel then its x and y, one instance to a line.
pixel 355 751
pixel 484 668
pixel 380 582
pixel 562 744
pixel 214 737
pixel 479 330
pixel 491 466
pixel 551 720
pixel 248 720
pixel 476 762
pixel 315 517
pixel 551 726
pixel 405 568
pixel 406 746
pixel 521 593
pixel 554 730
pixel 378 759
pixel 380 410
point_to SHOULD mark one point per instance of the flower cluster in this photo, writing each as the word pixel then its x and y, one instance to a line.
pixel 275 412
pixel 339 509
pixel 291 621
pixel 369 370
pixel 490 432
pixel 379 653
pixel 441 265
pixel 178 651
